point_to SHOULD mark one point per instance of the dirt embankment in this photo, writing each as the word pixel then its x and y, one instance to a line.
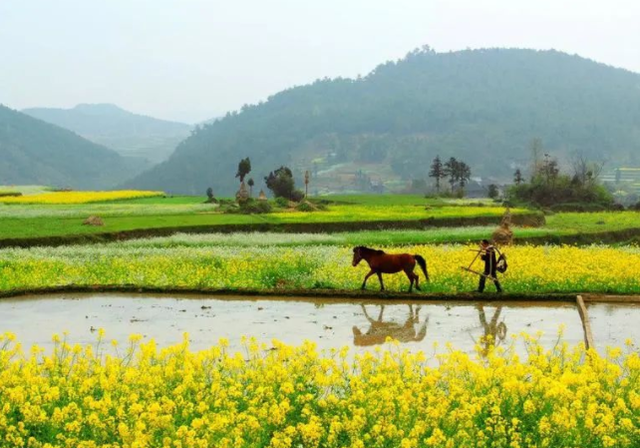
pixel 279 294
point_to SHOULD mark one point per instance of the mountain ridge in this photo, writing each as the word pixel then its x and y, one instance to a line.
pixel 130 134
pixel 36 152
pixel 482 106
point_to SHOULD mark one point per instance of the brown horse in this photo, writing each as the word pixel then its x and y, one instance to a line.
pixel 383 263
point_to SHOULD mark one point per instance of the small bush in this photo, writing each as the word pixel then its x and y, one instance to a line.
pixel 297 196
pixel 282 202
pixel 308 206
pixel 6 194
pixel 251 207
pixel 211 199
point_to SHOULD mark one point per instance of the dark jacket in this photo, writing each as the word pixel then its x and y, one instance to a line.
pixel 490 262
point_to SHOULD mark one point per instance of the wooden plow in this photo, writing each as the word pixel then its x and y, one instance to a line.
pixel 473 271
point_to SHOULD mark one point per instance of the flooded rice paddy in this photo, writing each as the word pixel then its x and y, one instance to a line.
pixel 329 323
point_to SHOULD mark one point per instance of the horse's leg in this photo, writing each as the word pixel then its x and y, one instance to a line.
pixel 415 276
pixel 364 283
pixel 410 277
pixel 381 284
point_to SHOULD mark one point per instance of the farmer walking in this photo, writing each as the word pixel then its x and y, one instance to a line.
pixel 490 264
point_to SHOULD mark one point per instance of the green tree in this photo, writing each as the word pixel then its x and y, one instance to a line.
pixel 451 170
pixel 463 175
pixel 437 172
pixel 549 170
pixel 282 184
pixel 251 183
pixel 517 177
pixel 244 168
pixel 493 192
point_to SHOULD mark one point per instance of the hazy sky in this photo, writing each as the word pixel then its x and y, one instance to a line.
pixel 190 60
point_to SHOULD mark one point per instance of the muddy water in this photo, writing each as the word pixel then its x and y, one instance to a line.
pixel 613 324
pixel 330 323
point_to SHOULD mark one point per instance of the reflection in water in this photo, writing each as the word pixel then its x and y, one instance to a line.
pixel 379 330
pixel 494 332
pixel 328 323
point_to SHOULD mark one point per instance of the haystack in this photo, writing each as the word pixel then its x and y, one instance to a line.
pixel 243 193
pixel 93 221
pixel 503 235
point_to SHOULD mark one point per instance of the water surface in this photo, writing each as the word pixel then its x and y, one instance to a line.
pixel 329 323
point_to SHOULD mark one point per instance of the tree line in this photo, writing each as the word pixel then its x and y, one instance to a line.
pixel 456 171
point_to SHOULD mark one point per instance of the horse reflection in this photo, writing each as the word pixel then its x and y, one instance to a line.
pixel 494 332
pixel 379 330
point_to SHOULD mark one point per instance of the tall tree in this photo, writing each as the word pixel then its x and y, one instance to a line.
pixel 493 191
pixel 517 177
pixel 244 168
pixel 251 183
pixel 464 174
pixel 437 172
pixel 549 170
pixel 451 170
pixel 536 156
pixel 586 172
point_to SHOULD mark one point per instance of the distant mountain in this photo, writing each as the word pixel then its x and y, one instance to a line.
pixel 130 134
pixel 35 152
pixel 483 106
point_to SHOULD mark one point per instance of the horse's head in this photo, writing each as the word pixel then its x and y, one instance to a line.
pixel 357 256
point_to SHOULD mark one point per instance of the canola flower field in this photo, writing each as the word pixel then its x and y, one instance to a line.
pixel 532 269
pixel 281 396
pixel 80 197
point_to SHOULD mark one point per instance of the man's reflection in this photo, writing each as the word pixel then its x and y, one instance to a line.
pixel 494 332
pixel 379 330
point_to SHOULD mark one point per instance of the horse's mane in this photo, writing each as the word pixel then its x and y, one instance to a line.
pixel 370 251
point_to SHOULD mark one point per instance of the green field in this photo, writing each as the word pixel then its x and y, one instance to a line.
pixel 191 213
pixel 406 219
pixel 182 242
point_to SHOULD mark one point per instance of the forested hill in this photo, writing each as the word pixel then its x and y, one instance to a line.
pixel 35 152
pixel 482 106
pixel 128 133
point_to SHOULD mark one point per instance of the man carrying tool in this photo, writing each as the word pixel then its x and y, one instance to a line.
pixel 490 263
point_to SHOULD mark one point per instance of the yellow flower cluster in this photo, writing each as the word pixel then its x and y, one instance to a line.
pixel 532 269
pixel 80 197
pixel 282 397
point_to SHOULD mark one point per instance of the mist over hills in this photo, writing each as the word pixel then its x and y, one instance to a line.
pixel 483 106
pixel 130 134
pixel 35 152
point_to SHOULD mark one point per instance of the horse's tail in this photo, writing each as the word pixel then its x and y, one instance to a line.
pixel 423 264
